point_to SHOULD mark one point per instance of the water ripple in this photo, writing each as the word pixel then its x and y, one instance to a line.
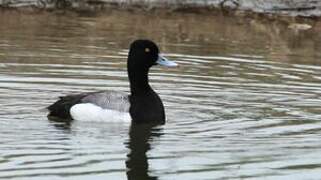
pixel 236 108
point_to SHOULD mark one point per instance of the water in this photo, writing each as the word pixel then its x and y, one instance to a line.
pixel 244 103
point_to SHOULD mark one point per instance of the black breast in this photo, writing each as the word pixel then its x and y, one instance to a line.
pixel 147 108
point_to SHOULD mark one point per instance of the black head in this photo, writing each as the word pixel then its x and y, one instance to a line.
pixel 145 104
pixel 143 54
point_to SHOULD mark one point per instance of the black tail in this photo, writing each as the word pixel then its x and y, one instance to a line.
pixel 61 108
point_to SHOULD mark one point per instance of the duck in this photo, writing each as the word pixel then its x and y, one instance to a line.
pixel 141 105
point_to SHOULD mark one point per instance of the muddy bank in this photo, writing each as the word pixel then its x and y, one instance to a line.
pixel 306 8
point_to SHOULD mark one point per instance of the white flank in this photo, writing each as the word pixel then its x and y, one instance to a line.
pixel 91 112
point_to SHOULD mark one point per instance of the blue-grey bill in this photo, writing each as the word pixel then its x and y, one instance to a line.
pixel 165 62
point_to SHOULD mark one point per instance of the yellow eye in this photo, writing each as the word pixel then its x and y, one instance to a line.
pixel 147 50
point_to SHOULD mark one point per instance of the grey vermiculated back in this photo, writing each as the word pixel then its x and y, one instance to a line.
pixel 109 100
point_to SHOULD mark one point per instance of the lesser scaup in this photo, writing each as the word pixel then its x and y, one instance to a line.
pixel 142 105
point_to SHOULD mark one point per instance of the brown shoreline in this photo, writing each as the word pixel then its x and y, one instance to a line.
pixel 165 11
pixel 98 7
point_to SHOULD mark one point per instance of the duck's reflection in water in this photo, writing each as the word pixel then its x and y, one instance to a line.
pixel 140 136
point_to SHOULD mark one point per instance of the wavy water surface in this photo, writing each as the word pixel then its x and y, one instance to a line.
pixel 244 103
